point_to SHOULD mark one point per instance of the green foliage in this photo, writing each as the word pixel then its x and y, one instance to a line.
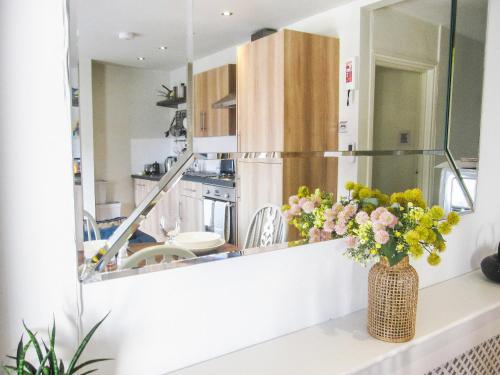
pixel 48 363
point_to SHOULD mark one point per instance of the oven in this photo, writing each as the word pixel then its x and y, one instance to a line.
pixel 219 211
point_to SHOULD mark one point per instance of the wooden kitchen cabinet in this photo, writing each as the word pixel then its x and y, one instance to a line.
pixel 287 93
pixel 209 87
pixel 191 206
pixel 261 183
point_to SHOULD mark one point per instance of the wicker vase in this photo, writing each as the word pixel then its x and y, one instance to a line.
pixel 392 301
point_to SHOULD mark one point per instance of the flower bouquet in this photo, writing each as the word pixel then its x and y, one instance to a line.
pixel 374 224
pixel 381 228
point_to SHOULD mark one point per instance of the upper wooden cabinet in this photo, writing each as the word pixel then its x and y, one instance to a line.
pixel 209 87
pixel 287 93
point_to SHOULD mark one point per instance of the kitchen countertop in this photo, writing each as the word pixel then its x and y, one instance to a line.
pixel 328 348
pixel 213 180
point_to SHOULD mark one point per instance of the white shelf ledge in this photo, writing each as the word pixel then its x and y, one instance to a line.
pixel 343 346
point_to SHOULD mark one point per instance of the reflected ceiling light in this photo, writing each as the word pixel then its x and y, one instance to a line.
pixel 141 58
pixel 126 35
pixel 163 48
pixel 226 13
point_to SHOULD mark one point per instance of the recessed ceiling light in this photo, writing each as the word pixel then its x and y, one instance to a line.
pixel 126 35
pixel 141 58
pixel 226 13
pixel 163 48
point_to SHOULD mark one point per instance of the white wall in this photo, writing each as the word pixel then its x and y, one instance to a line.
pixel 128 127
pixel 164 320
pixel 37 251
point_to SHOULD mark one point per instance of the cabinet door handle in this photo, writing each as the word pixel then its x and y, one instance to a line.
pixel 201 121
pixel 180 210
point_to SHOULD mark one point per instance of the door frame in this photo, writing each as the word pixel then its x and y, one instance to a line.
pixel 428 132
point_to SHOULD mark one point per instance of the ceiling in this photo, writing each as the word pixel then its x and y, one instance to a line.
pixel 164 23
pixel 471 14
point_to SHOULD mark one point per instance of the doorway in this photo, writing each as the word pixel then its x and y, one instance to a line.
pixel 403 97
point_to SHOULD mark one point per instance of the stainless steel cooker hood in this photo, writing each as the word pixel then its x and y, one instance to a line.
pixel 229 101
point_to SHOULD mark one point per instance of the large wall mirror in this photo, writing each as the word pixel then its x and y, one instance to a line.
pixel 190 118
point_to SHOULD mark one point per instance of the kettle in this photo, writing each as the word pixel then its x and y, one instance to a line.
pixel 169 161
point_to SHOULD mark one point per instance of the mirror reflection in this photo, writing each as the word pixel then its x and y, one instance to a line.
pixel 467 90
pixel 226 207
pixel 280 79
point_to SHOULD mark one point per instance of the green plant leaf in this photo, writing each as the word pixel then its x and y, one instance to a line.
pixel 54 370
pixel 82 346
pixel 35 342
pixel 21 358
pixel 61 367
pixel 42 368
pixel 80 366
pixel 20 346
pixel 89 372
pixel 389 251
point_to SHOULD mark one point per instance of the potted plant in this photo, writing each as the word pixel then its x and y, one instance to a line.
pixel 383 229
pixel 48 363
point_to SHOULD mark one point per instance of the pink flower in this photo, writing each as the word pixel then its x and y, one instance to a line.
pixel 362 217
pixel 381 237
pixel 377 226
pixel 386 218
pixel 302 201
pixel 314 235
pixel 325 236
pixel 295 210
pixel 340 229
pixel 337 207
pixel 330 214
pixel 375 215
pixel 351 241
pixel 308 207
pixel 293 200
pixel 350 210
pixel 329 226
pixel 393 222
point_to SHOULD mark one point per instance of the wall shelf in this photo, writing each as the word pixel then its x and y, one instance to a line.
pixel 171 103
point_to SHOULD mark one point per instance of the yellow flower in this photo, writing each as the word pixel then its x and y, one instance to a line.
pixel 378 246
pixel 444 228
pixel 410 204
pixel 433 259
pixel 416 250
pixel 426 221
pixel 397 234
pixel 412 237
pixel 436 212
pixel 453 218
pixel 440 246
pixel 399 247
pixel 350 185
pixel 285 207
pixel 423 233
pixel 365 193
pixel 373 251
pixel 303 192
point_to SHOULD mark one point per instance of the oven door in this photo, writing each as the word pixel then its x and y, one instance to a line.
pixel 219 216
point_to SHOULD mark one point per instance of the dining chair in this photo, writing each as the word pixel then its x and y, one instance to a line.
pixel 90 226
pixel 150 255
pixel 267 227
